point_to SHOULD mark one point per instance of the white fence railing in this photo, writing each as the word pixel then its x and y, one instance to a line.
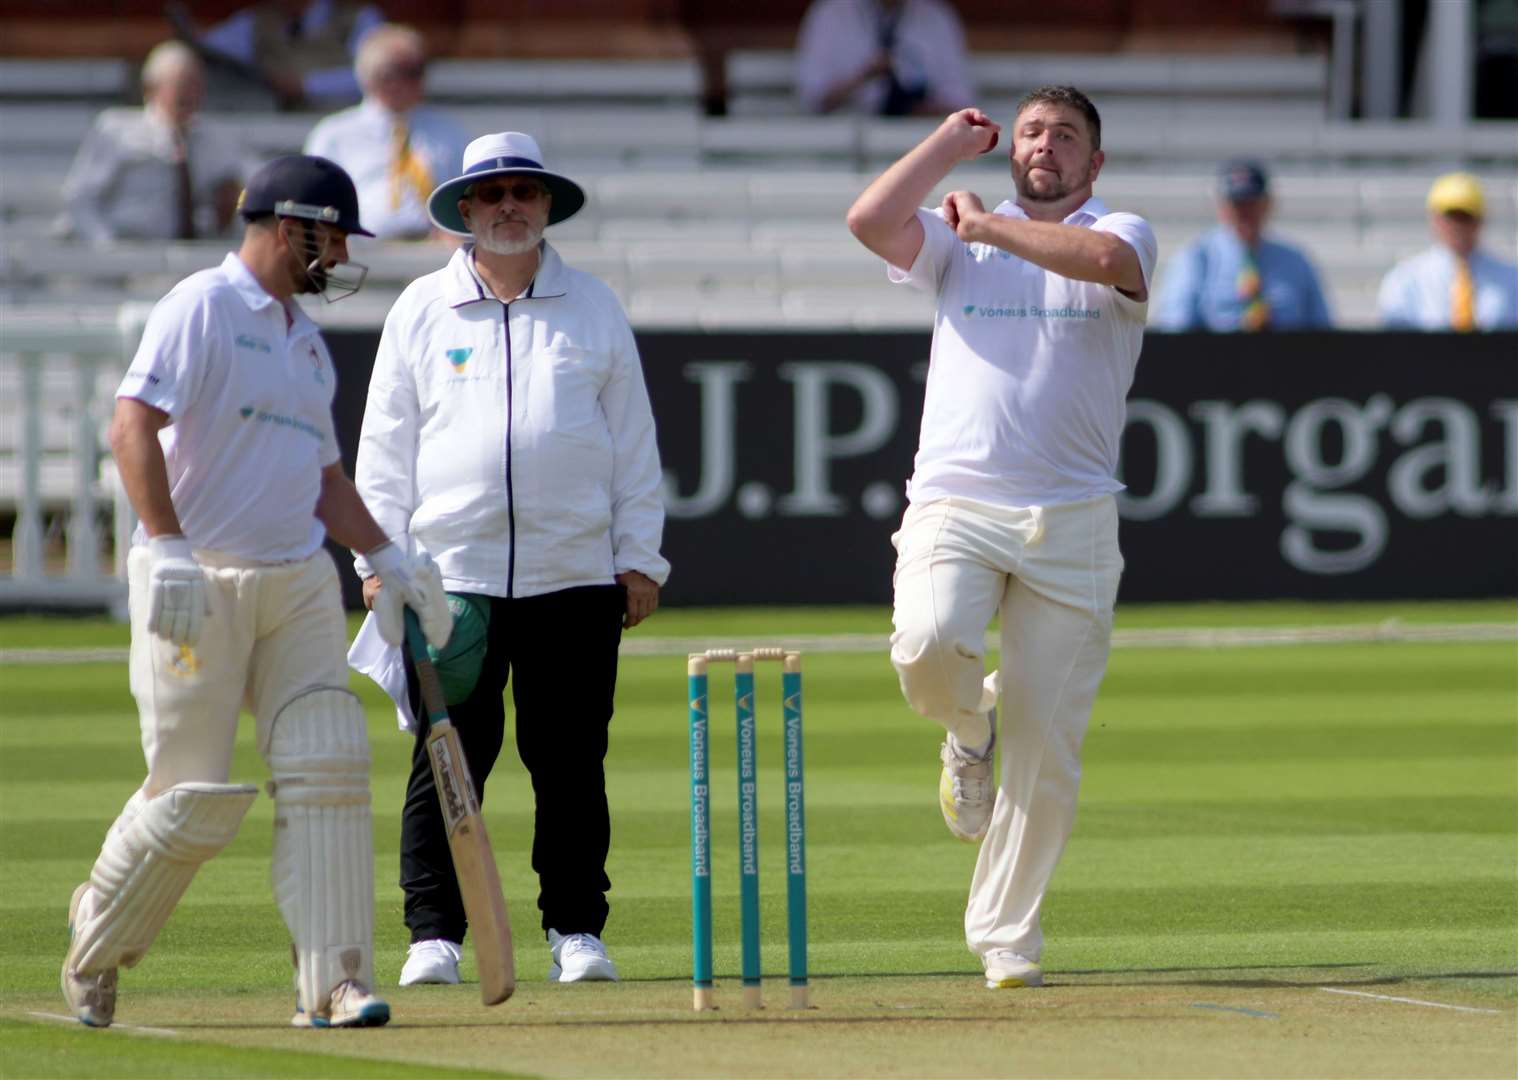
pixel 57 481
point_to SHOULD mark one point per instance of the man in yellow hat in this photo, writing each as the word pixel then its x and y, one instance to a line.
pixel 1453 285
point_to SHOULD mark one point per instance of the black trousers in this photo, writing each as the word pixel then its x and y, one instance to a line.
pixel 559 651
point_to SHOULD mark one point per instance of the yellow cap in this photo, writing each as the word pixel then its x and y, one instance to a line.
pixel 1457 191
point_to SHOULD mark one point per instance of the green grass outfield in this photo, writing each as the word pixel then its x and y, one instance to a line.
pixel 1261 828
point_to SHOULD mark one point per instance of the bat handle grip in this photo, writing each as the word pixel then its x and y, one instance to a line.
pixel 415 640
pixel 433 705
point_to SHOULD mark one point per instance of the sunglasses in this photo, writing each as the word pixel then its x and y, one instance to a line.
pixel 523 191
pixel 404 71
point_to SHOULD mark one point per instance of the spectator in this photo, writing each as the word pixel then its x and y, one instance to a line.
pixel 158 172
pixel 303 49
pixel 1234 278
pixel 1452 285
pixel 395 148
pixel 887 57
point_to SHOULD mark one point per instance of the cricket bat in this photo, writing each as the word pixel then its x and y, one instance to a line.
pixel 473 860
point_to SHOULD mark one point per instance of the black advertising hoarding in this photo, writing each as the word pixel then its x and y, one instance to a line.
pixel 1314 466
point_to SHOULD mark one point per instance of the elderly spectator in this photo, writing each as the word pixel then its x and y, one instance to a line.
pixel 1453 285
pixel 303 49
pixel 395 148
pixel 1234 277
pixel 159 172
pixel 887 57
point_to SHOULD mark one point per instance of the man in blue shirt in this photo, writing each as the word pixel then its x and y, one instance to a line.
pixel 1233 278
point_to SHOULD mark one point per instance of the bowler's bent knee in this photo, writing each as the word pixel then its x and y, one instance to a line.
pixel 941 678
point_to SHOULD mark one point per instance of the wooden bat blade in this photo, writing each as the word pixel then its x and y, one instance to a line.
pixel 468 843
pixel 474 863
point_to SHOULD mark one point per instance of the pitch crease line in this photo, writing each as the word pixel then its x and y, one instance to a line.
pixel 1409 1001
pixel 123 1027
pixel 1260 1013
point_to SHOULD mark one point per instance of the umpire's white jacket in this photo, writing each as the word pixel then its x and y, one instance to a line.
pixel 513 441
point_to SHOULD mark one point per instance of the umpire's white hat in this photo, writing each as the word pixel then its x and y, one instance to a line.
pixel 504 153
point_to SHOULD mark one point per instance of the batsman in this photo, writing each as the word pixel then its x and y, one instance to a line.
pixel 224 441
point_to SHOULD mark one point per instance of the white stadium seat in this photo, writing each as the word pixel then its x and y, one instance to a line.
pixel 101 79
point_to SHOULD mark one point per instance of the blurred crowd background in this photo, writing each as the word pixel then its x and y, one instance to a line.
pixel 1285 150
pixel 1348 164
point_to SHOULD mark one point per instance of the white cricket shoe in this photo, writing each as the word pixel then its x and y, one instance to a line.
pixel 579 958
pixel 1006 970
pixel 351 1005
pixel 91 998
pixel 435 960
pixel 966 792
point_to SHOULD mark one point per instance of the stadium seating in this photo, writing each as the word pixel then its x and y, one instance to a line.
pixel 721 222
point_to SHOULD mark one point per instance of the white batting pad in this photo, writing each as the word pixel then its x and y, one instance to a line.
pixel 146 864
pixel 323 841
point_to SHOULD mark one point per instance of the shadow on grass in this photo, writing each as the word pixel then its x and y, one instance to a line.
pixel 724 1016
pixel 733 1013
pixel 1268 982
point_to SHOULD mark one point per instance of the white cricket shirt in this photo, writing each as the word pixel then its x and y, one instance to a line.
pixel 1029 370
pixel 249 393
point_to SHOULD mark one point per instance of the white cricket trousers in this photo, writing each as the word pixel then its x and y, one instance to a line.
pixel 274 631
pixel 1052 573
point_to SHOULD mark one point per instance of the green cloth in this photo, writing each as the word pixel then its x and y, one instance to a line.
pixel 458 663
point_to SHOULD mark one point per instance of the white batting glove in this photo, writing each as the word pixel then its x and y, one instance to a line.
pixel 177 601
pixel 412 581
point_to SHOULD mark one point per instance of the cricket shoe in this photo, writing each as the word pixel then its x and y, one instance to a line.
pixel 965 790
pixel 435 960
pixel 579 958
pixel 1006 970
pixel 91 998
pixel 351 1005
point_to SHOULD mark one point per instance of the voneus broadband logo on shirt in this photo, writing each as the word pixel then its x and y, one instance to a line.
pixel 264 416
pixel 458 357
pixel 1030 311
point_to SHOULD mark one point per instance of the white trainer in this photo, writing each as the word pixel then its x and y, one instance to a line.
pixel 579 958
pixel 435 960
pixel 1006 970
pixel 966 792
pixel 91 998
pixel 351 1005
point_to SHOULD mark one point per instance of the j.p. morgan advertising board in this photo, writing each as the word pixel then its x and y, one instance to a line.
pixel 1268 466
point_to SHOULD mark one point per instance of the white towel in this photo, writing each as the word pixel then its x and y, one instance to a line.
pixel 373 656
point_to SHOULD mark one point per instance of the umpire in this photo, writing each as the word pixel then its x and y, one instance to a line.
pixel 508 427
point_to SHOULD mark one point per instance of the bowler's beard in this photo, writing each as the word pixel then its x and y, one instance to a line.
pixel 1054 192
pixel 485 241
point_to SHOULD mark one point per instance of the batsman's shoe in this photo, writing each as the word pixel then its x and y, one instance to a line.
pixel 1006 970
pixel 965 790
pixel 579 958
pixel 91 998
pixel 351 1005
pixel 435 960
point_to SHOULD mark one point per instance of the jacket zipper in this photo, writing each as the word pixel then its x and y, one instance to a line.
pixel 511 506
